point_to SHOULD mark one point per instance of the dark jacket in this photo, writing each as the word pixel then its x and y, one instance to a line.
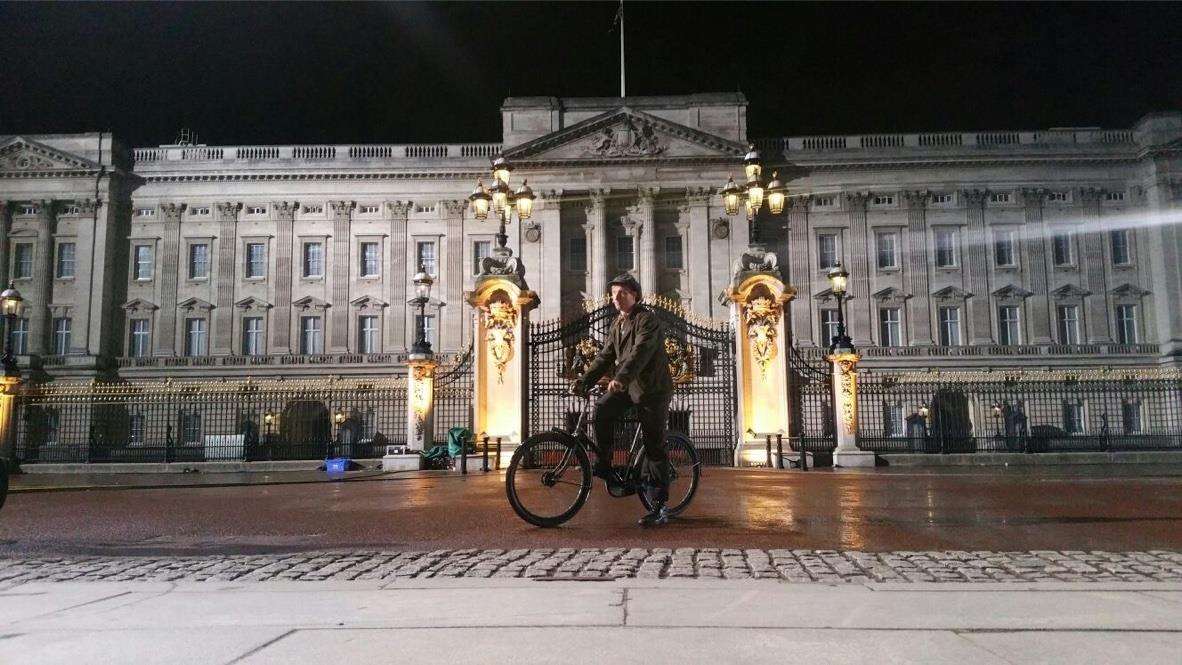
pixel 636 347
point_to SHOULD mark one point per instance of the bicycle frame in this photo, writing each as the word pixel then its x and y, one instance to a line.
pixel 579 434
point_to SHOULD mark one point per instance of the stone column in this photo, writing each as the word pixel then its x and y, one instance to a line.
pixel 758 301
pixel 222 334
pixel 1035 244
pixel 694 215
pixel 548 219
pixel 800 271
pixel 395 276
pixel 596 245
pixel 845 408
pixel 9 387
pixel 342 221
pixel 5 245
pixel 1092 264
pixel 37 310
pixel 452 259
pixel 501 374
pixel 420 401
pixel 646 253
pixel 169 266
pixel 280 323
pixel 860 320
pixel 919 324
pixel 976 266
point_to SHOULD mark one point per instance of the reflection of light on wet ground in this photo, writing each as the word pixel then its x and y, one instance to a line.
pixel 852 512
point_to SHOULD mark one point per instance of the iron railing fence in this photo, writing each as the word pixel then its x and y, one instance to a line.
pixel 1034 412
pixel 811 405
pixel 453 396
pixel 702 358
pixel 169 421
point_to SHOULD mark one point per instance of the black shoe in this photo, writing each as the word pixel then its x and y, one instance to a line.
pixel 658 516
pixel 611 479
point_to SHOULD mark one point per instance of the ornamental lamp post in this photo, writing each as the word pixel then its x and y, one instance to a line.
pixel 422 282
pixel 12 306
pixel 753 194
pixel 838 281
pixel 501 200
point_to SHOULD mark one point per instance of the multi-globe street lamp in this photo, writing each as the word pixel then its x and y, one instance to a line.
pixel 501 200
pixel 12 306
pixel 754 194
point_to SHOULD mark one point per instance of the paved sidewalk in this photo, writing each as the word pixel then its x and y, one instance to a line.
pixel 632 621
pixel 825 566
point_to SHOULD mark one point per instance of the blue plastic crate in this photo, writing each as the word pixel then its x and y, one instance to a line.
pixel 336 464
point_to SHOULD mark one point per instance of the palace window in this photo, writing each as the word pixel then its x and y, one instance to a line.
pixel 1130 416
pixel 311 335
pixel 190 428
pixel 1073 417
pixel 61 336
pixel 1003 248
pixel 313 259
pixel 1009 325
pixel 941 199
pixel 1121 253
pixel 196 337
pixel 145 212
pixel 826 251
pixel 256 210
pixel 1061 249
pixel 252 336
pixel 673 259
pixel 1126 324
pixel 18 336
pixel 887 245
pixel 22 265
pixel 481 249
pixel 425 327
pixel 892 420
pixel 135 429
pixel 65 260
pixel 828 326
pixel 425 257
pixel 199 212
pixel 368 210
pixel 1068 324
pixel 1114 196
pixel 143 262
pixel 576 254
pixel 199 261
pixel 946 248
pixel 139 337
pixel 949 318
pixel 1058 197
pixel 367 334
pixel 883 200
pixel 624 253
pixel 371 259
pixel 256 260
pixel 999 197
pixel 890 331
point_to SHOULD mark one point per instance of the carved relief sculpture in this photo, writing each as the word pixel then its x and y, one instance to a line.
pixel 762 317
pixel 627 140
pixel 681 361
pixel 421 373
pixel 500 320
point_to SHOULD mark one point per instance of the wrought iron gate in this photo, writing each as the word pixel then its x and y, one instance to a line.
pixel 811 403
pixel 702 362
pixel 453 396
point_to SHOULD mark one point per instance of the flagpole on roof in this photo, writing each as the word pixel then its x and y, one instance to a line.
pixel 620 18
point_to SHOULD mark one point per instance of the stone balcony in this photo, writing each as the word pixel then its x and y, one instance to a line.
pixel 170 158
pixel 991 354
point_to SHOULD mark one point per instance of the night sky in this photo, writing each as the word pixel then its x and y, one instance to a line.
pixel 425 72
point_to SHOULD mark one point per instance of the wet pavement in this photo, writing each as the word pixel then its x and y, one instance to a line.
pixel 1117 509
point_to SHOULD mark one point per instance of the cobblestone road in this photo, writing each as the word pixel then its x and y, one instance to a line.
pixel 820 566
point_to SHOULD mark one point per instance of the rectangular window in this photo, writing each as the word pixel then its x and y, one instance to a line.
pixel 888 250
pixel 1068 324
pixel 941 199
pixel 1121 254
pixel 1057 197
pixel 200 211
pixel 256 210
pixel 311 335
pixel 144 266
pixel 135 429
pixel 1003 248
pixel 425 327
pixel 576 254
pixel 481 249
pixel 256 260
pixel 999 198
pixel 196 337
pixel 1009 327
pixel 1130 416
pixel 425 255
pixel 139 337
pixel 826 251
pixel 252 336
pixel 1126 324
pixel 313 259
pixel 946 248
pixel 61 336
pixel 1073 418
pixel 19 336
pixel 22 265
pixel 624 253
pixel 1114 196
pixel 199 261
pixel 53 426
pixel 367 334
pixel 371 259
pixel 892 420
pixel 949 326
pixel 828 326
pixel 145 212
pixel 1061 248
pixel 65 260
pixel 673 252
pixel 890 331
pixel 884 200
pixel 190 428
pixel 368 210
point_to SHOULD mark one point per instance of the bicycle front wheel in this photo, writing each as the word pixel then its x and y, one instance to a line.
pixel 684 471
pixel 548 480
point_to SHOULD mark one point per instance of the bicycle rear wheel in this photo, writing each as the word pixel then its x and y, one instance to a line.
pixel 548 480
pixel 684 471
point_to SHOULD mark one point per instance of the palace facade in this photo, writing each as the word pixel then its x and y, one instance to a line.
pixel 1043 248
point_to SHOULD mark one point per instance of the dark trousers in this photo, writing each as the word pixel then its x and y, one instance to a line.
pixel 653 414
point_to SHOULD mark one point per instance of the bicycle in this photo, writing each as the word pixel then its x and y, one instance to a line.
pixel 549 476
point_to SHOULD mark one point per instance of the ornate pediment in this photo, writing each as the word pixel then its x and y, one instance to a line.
pixel 626 134
pixel 140 305
pixel 1070 291
pixel 252 303
pixel 951 293
pixel 309 302
pixel 1012 292
pixel 368 302
pixel 891 296
pixel 24 155
pixel 194 304
pixel 827 295
pixel 1129 291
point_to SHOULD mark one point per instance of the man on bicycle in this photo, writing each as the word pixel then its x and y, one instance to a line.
pixel 635 354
